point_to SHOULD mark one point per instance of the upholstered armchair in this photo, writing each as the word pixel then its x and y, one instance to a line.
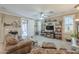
pixel 16 46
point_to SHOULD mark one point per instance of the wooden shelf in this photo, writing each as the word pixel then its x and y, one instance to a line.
pixel 58 31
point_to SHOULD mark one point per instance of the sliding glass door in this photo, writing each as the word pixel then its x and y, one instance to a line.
pixel 27 28
pixel 31 28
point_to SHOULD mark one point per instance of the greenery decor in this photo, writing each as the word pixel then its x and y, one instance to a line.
pixel 74 35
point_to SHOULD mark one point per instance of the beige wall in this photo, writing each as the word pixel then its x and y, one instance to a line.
pixel 10 19
pixel 1 28
pixel 7 19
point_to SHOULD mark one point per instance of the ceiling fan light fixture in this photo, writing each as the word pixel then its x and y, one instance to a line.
pixel 42 15
pixel 41 18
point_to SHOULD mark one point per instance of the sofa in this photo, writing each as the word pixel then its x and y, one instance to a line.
pixel 47 48
pixel 16 46
pixel 50 48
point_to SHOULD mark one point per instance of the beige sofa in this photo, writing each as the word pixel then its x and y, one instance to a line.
pixel 11 45
pixel 47 48
pixel 50 48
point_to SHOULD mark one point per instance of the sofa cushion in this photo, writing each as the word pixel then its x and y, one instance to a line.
pixel 38 51
pixel 24 43
pixel 10 40
pixel 51 51
pixel 23 46
pixel 48 45
pixel 43 51
pixel 62 51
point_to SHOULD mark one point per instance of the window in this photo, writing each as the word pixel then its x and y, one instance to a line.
pixel 24 28
pixel 68 23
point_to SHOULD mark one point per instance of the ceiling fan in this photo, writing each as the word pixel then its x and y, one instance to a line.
pixel 45 14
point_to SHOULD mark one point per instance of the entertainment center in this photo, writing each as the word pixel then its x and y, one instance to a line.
pixel 52 29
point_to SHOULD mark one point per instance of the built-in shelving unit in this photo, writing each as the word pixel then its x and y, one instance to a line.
pixel 58 31
pixel 54 33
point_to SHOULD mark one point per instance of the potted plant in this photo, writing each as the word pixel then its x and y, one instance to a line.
pixel 74 38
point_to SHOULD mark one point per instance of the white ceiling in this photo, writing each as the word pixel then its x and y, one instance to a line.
pixel 33 10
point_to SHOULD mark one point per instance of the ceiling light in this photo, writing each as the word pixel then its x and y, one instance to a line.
pixel 41 17
pixel 77 7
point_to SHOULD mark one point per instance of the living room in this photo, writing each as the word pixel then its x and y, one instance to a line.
pixel 39 29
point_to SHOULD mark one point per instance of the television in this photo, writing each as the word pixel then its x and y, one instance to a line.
pixel 49 27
